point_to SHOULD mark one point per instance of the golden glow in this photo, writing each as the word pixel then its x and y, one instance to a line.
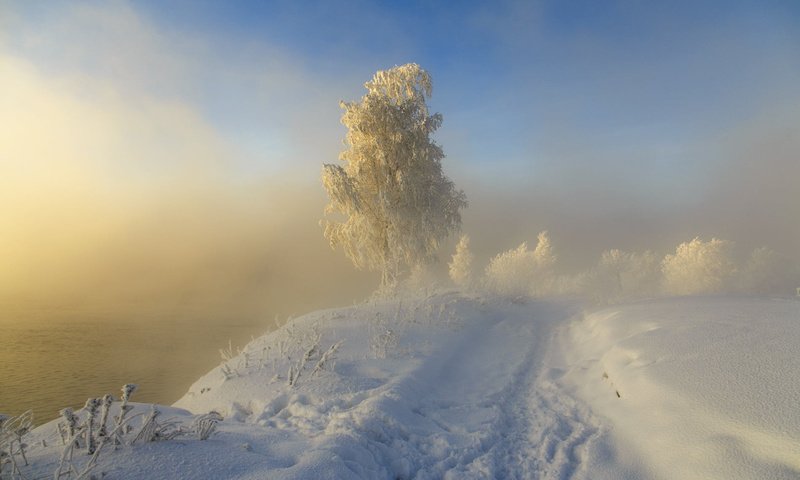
pixel 125 203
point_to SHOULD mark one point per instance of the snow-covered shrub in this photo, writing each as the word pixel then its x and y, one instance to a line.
pixel 511 272
pixel 698 267
pixel 460 267
pixel 622 275
pixel 521 272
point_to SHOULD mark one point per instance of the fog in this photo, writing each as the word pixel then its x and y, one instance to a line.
pixel 132 207
pixel 210 250
pixel 178 178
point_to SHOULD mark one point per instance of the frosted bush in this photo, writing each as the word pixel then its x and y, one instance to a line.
pixel 460 267
pixel 698 267
pixel 521 272
pixel 511 272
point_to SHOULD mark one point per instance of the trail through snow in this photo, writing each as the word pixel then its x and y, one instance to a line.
pixel 484 406
pixel 480 406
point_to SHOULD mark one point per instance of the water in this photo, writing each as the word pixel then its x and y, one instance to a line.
pixel 47 364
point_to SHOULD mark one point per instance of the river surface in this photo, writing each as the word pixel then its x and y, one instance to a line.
pixel 49 363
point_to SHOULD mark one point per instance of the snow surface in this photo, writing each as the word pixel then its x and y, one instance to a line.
pixel 470 387
pixel 691 387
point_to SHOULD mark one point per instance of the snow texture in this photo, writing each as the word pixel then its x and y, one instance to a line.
pixel 691 388
pixel 455 386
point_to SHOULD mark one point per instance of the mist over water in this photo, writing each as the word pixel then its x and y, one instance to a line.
pixel 57 359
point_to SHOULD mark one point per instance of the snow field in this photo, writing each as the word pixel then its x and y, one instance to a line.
pixel 694 388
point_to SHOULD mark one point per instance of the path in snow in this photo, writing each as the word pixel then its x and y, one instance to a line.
pixel 481 407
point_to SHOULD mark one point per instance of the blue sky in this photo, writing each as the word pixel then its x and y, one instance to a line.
pixel 644 82
pixel 516 81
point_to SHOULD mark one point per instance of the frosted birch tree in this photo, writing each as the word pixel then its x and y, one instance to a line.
pixel 390 203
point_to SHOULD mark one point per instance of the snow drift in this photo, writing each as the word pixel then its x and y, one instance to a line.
pixel 692 387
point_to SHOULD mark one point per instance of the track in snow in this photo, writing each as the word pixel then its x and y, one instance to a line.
pixel 482 407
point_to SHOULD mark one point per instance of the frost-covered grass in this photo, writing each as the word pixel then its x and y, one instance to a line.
pixel 75 445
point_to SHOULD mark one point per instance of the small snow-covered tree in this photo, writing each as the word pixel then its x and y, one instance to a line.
pixel 511 272
pixel 521 272
pixel 698 267
pixel 391 201
pixel 461 264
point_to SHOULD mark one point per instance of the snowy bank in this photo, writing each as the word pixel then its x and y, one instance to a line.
pixel 470 387
pixel 691 387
